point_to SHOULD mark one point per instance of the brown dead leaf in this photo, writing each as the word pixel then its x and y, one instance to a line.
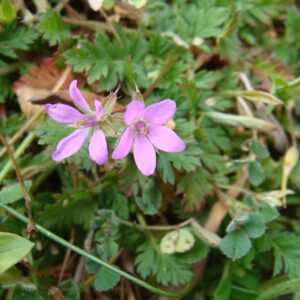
pixel 38 84
pixel 38 87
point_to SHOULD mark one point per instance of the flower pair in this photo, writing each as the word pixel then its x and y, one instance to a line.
pixel 145 130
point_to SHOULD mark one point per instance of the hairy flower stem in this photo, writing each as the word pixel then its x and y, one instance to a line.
pixel 30 225
pixel 93 258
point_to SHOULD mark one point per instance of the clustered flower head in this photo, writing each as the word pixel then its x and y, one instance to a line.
pixel 146 131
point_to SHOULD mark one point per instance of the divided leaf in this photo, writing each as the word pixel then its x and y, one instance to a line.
pixel 52 27
pixel 14 38
pixel 287 254
pixel 150 202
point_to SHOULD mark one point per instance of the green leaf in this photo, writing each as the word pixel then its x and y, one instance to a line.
pixel 196 253
pixel 287 254
pixel 23 292
pixel 12 193
pixel 52 27
pixel 236 244
pixel 107 59
pixel 195 186
pixel 260 97
pixel 255 226
pixel 14 38
pixel 166 268
pixel 7 12
pixel 74 207
pixel 117 202
pixel 222 292
pixel 268 213
pixel 146 259
pixel 256 173
pixel 187 160
pixel 70 290
pixel 165 168
pixel 150 202
pixel 236 120
pixel 259 150
pixel 106 279
pixel 12 250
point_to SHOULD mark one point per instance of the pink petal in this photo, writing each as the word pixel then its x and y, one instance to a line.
pixel 134 110
pixel 99 109
pixel 144 155
pixel 98 147
pixel 70 144
pixel 124 145
pixel 161 112
pixel 63 114
pixel 77 96
pixel 165 139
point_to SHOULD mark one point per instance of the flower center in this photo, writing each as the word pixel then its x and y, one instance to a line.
pixel 87 121
pixel 141 127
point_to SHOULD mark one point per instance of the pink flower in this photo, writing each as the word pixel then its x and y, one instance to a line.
pixel 83 119
pixel 146 131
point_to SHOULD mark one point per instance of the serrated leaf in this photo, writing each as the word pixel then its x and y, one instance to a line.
pixel 187 160
pixel 287 254
pixel 12 249
pixel 195 186
pixel 166 268
pixel 150 202
pixel 255 226
pixel 14 38
pixel 52 27
pixel 236 244
pixel 107 60
pixel 259 150
pixel 106 279
pixel 165 168
pixel 77 207
pixel 25 293
pixel 256 173
pixel 269 213
pixel 145 260
pixel 70 290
